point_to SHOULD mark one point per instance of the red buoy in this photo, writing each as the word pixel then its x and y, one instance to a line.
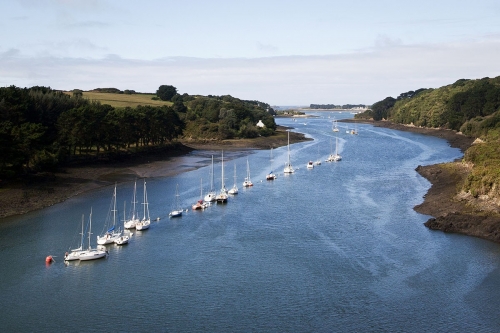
pixel 49 260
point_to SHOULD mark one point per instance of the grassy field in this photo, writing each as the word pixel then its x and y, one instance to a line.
pixel 123 100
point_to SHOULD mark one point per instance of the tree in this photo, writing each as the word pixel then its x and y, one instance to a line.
pixel 165 92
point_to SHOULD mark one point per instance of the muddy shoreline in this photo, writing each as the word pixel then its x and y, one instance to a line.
pixel 45 190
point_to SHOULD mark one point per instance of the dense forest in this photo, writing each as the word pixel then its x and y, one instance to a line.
pixel 471 107
pixel 42 128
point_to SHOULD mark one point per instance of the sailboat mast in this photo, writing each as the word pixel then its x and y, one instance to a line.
pixel 90 226
pixel 212 175
pixel 114 207
pixel 222 181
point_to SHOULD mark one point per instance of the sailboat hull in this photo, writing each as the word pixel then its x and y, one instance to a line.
pixel 92 254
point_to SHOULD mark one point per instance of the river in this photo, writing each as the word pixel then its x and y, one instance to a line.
pixel 337 248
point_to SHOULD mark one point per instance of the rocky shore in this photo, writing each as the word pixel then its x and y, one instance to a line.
pixel 45 190
pixel 452 212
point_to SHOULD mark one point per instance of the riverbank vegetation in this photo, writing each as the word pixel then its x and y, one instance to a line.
pixel 471 107
pixel 42 129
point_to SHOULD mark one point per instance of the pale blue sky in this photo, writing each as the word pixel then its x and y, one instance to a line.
pixel 279 52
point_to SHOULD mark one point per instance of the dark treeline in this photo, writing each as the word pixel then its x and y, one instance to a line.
pixel 41 128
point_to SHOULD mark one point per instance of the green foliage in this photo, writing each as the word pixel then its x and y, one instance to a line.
pixel 381 109
pixel 166 92
pixel 449 106
pixel 234 117
pixel 484 179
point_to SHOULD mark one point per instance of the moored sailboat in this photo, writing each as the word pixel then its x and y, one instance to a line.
pixel 210 196
pixel 177 212
pixel 200 204
pixel 130 224
pixel 146 220
pixel 112 232
pixel 271 175
pixel 247 182
pixel 234 189
pixel 288 166
pixel 222 196
pixel 74 254
pixel 90 253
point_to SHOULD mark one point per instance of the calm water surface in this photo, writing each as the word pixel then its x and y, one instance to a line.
pixel 333 249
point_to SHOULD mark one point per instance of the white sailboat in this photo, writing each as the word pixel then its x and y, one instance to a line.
pixel 111 233
pixel 318 161
pixel 334 126
pixel 247 182
pixel 123 239
pixel 210 197
pixel 271 175
pixel 222 196
pixel 90 253
pixel 200 204
pixel 130 224
pixel 177 212
pixel 334 157
pixel 74 254
pixel 146 220
pixel 288 166
pixel 234 189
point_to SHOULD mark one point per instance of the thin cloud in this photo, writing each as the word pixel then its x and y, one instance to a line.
pixel 359 77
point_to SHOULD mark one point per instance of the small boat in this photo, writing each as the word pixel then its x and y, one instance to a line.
pixel 247 182
pixel 111 233
pixel 146 220
pixel 288 166
pixel 234 189
pixel 210 197
pixel 177 212
pixel 222 196
pixel 90 253
pixel 200 204
pixel 74 254
pixel 130 224
pixel 123 239
pixel 310 165
pixel 271 175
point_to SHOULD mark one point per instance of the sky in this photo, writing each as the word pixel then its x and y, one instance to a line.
pixel 274 51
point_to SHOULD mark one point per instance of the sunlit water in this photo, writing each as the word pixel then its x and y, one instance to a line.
pixel 336 248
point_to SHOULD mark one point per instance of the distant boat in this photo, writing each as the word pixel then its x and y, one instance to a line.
pixel 177 212
pixel 90 253
pixel 130 224
pixel 318 161
pixel 210 197
pixel 123 239
pixel 74 254
pixel 288 166
pixel 247 182
pixel 310 165
pixel 334 126
pixel 271 175
pixel 112 232
pixel 146 220
pixel 222 196
pixel 334 157
pixel 234 189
